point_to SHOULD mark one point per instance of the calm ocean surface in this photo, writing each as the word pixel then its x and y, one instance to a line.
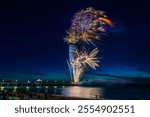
pixel 109 92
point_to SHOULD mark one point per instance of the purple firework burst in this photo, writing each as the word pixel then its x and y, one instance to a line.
pixel 81 22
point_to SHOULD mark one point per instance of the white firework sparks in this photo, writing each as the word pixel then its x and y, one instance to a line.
pixel 82 60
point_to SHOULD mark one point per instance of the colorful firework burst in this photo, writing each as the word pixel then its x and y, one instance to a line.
pixel 87 25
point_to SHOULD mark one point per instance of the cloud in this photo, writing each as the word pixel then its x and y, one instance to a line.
pixel 144 69
pixel 108 78
pixel 108 75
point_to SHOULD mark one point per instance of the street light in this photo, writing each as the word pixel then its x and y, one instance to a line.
pixel 16 82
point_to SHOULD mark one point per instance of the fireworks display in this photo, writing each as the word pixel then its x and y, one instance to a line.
pixel 81 60
pixel 87 25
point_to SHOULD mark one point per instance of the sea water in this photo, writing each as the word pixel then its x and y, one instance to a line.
pixel 93 92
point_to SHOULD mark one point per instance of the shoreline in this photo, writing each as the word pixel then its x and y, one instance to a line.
pixel 10 95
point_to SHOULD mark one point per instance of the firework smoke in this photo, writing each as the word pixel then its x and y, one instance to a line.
pixel 87 26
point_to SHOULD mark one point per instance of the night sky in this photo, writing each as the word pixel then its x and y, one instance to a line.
pixel 32 32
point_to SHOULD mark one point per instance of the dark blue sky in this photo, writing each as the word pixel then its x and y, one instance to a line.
pixel 32 46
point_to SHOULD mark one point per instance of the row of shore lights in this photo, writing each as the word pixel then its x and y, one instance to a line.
pixel 36 80
pixel 27 87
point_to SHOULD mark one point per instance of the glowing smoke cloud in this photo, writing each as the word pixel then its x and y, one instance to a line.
pixel 87 26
